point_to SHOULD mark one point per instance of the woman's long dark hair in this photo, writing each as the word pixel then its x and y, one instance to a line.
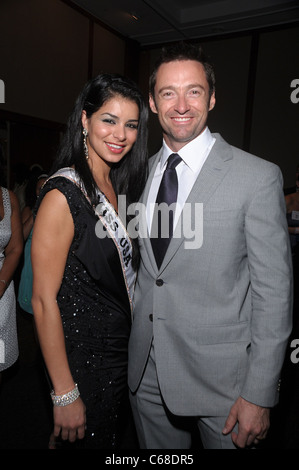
pixel 129 175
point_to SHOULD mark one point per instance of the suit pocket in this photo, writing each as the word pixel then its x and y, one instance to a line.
pixel 223 367
pixel 222 356
pixel 221 334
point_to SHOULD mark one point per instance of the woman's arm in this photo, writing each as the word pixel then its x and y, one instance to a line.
pixel 294 230
pixel 52 236
pixel 14 248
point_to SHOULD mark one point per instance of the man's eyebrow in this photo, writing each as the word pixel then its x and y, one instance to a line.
pixel 172 87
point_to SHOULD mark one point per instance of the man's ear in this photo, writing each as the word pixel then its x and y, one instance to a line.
pixel 212 101
pixel 152 104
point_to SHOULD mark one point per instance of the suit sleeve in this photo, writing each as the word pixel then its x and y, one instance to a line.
pixel 270 265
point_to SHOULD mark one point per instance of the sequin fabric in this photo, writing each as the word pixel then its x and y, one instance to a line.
pixel 8 328
pixel 95 314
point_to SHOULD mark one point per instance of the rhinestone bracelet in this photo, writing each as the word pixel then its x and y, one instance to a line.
pixel 67 398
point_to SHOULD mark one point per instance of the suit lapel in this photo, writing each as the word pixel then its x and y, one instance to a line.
pixel 213 171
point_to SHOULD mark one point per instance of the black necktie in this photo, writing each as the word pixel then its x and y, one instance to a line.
pixel 167 193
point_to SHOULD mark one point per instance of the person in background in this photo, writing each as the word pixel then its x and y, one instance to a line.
pixel 34 184
pixel 84 262
pixel 212 313
pixel 26 278
pixel 11 247
pixel 292 207
pixel 292 214
pixel 21 174
pixel 293 189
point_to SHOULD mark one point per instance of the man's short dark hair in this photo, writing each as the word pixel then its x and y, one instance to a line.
pixel 183 51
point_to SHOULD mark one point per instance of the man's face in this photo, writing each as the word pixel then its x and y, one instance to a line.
pixel 182 101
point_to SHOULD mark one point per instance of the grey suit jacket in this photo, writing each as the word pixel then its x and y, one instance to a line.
pixel 220 315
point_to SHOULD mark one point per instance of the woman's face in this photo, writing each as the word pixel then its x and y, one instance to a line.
pixel 112 130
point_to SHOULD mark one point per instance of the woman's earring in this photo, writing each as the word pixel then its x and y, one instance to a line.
pixel 85 133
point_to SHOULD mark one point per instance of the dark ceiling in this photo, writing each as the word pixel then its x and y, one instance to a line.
pixel 152 22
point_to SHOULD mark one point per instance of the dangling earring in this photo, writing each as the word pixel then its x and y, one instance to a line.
pixel 85 133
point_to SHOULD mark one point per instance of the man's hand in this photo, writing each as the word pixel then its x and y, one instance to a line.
pixel 253 423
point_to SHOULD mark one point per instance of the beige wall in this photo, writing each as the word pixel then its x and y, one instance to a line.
pixel 253 108
pixel 44 56
pixel 48 50
pixel 275 122
pixel 108 52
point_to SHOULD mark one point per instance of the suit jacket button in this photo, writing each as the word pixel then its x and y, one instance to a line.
pixel 159 282
pixel 151 317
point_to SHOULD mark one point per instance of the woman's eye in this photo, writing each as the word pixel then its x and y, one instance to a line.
pixel 109 121
pixel 132 126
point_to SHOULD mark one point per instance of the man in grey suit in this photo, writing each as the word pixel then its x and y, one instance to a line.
pixel 211 322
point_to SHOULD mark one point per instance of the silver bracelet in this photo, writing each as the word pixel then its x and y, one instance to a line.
pixel 65 399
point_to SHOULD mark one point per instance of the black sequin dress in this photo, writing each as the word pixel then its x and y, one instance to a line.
pixel 96 315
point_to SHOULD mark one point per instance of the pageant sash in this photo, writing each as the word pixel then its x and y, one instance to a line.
pixel 113 226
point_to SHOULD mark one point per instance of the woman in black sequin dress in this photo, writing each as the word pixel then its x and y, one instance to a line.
pixel 84 262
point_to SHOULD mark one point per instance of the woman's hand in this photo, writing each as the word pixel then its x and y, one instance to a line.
pixel 70 421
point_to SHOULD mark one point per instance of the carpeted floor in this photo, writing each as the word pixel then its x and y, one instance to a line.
pixel 25 407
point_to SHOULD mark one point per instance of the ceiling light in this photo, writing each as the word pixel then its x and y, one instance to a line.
pixel 135 16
